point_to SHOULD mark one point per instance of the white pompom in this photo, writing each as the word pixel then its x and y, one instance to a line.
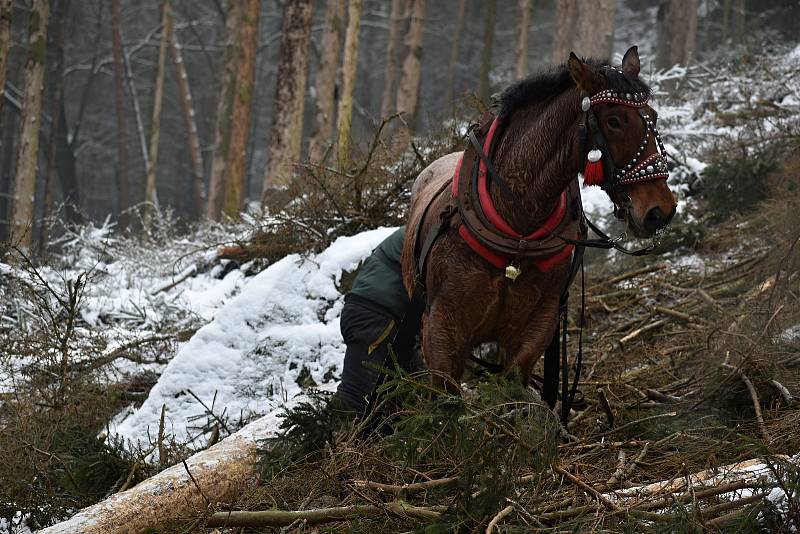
pixel 594 155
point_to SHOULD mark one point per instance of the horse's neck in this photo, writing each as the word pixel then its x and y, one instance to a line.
pixel 536 156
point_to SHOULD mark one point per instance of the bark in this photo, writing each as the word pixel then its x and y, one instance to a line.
pixel 28 154
pixel 408 88
pixel 522 39
pixel 726 20
pixel 137 109
pixel 566 13
pixel 150 193
pixel 289 101
pixel 123 184
pixel 61 159
pixel 245 50
pixel 325 83
pixel 187 109
pixel 739 19
pixel 216 182
pixel 396 25
pixel 486 52
pixel 677 32
pixel 595 28
pixel 5 44
pixel 221 472
pixel 454 50
pixel 344 115
pixel 9 130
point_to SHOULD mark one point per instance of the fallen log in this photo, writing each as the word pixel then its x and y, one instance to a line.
pixel 210 477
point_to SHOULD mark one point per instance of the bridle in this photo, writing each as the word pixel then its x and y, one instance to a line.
pixel 600 169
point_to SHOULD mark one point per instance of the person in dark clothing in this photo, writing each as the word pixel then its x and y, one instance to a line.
pixel 378 320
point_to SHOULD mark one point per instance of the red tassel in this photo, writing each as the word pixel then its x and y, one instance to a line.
pixel 593 173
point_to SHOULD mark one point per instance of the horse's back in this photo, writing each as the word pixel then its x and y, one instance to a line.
pixel 430 182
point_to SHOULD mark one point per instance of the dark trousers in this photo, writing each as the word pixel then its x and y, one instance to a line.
pixel 372 335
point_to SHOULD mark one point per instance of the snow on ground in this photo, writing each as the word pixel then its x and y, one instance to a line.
pixel 283 325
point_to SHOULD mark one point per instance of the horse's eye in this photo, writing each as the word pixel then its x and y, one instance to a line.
pixel 614 123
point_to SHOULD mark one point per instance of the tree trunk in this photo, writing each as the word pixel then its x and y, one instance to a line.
pixel 137 109
pixel 486 52
pixel 677 32
pixel 218 474
pixel 7 178
pixel 726 20
pixel 408 89
pixel 28 155
pixel 5 44
pixel 739 20
pixel 566 13
pixel 192 138
pixel 60 154
pixel 150 193
pixel 396 25
pixel 595 31
pixel 123 184
pixel 344 115
pixel 325 83
pixel 222 132
pixel 290 92
pixel 246 48
pixel 522 39
pixel 454 53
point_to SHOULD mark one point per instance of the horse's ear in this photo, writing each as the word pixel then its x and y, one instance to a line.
pixel 630 61
pixel 582 73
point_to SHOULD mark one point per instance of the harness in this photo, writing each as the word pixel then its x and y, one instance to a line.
pixel 563 233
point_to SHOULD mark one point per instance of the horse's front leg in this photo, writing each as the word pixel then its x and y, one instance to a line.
pixel 529 338
pixel 445 346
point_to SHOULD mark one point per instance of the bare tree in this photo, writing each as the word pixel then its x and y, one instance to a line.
pixel 246 48
pixel 454 50
pixel 289 101
pixel 222 131
pixel 5 44
pixel 325 83
pixel 61 158
pixel 344 115
pixel 28 153
pixel 566 11
pixel 522 39
pixel 408 88
pixel 677 32
pixel 595 32
pixel 396 24
pixel 486 51
pixel 187 109
pixel 150 194
pixel 123 184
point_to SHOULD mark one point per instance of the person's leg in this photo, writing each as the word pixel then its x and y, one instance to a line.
pixel 366 334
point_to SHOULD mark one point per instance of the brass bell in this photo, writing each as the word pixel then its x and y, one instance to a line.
pixel 513 272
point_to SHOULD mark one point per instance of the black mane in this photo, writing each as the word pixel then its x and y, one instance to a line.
pixel 555 81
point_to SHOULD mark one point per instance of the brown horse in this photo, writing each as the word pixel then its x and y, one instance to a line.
pixel 538 150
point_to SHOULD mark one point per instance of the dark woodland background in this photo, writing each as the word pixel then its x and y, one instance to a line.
pixel 81 163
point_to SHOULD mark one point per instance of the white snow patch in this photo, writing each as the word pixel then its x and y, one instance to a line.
pixel 248 358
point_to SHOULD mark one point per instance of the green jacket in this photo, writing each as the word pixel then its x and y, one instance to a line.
pixel 380 279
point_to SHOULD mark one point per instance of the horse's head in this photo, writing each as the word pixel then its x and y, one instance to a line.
pixel 623 150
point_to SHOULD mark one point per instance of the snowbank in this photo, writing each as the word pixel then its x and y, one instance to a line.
pixel 284 324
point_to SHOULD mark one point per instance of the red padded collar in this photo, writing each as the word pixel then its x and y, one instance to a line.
pixel 492 215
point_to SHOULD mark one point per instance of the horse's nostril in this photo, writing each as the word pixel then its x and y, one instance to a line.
pixel 655 219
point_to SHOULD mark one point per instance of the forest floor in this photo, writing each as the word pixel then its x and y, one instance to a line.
pixel 691 380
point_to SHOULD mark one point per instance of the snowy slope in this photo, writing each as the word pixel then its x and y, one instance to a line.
pixel 284 322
